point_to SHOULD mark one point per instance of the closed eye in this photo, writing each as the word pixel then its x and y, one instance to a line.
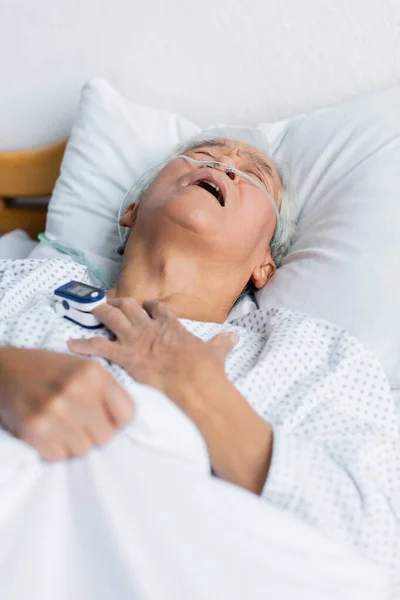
pixel 206 153
pixel 256 175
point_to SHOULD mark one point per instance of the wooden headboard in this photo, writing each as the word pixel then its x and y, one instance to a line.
pixel 28 174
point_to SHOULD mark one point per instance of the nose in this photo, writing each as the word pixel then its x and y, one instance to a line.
pixel 228 160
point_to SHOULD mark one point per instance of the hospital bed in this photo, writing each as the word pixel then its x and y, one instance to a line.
pixel 216 552
pixel 29 174
pixel 32 174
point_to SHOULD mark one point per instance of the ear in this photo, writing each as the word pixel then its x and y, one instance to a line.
pixel 129 217
pixel 262 273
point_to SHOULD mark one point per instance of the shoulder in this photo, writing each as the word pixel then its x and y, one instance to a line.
pixel 321 338
pixel 258 320
pixel 28 277
pixel 20 268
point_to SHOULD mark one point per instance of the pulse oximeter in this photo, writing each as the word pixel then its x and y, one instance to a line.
pixel 75 301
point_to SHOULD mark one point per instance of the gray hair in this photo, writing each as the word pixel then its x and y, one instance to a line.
pixel 279 244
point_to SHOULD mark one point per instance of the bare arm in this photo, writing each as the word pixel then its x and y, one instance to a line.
pixel 239 441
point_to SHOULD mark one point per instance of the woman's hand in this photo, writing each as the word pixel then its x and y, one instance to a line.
pixel 155 349
pixel 60 404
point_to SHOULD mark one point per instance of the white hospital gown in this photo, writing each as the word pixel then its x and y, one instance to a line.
pixel 336 460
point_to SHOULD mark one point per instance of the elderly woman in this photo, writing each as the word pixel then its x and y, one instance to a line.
pixel 290 408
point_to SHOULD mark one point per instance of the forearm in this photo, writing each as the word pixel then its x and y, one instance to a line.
pixel 239 441
pixel 7 354
pixel 5 351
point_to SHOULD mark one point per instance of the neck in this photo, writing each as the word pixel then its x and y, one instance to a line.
pixel 175 279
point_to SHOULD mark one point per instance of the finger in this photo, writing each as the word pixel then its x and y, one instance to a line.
pixel 72 436
pixel 131 309
pixel 224 343
pixel 56 438
pixel 52 451
pixel 159 310
pixel 94 419
pixel 113 318
pixel 95 346
pixel 100 435
pixel 40 436
pixel 99 426
pixel 118 406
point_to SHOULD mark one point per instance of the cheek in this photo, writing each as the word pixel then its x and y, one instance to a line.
pixel 160 186
pixel 165 180
pixel 258 219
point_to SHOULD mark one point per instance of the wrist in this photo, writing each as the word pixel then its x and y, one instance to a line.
pixel 198 393
pixel 239 441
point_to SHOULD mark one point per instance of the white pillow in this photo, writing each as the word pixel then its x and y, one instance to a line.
pixel 344 265
pixel 345 165
pixel 112 143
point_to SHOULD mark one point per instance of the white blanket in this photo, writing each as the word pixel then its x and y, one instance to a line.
pixel 143 518
pixel 128 522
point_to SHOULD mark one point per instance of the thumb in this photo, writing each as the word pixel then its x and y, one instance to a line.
pixel 225 342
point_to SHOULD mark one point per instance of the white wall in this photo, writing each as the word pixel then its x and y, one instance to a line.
pixel 211 60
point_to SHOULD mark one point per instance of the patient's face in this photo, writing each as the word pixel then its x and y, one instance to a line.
pixel 233 226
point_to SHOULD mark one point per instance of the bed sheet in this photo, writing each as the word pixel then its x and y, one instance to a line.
pixel 128 521
pixel 16 244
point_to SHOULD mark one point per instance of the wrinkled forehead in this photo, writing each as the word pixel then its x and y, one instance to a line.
pixel 243 151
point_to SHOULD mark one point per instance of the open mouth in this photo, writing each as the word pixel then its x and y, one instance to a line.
pixel 213 189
